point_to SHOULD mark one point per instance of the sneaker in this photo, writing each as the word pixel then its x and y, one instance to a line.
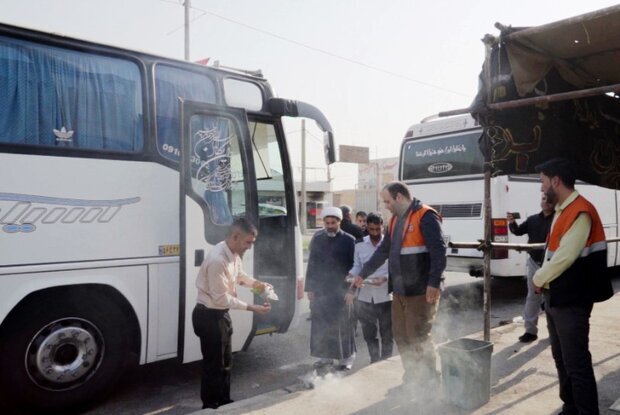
pixel 528 338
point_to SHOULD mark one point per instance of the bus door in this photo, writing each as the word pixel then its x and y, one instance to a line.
pixel 275 250
pixel 217 185
pixel 234 168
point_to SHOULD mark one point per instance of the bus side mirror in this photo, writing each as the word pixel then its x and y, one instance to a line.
pixel 329 147
pixel 289 108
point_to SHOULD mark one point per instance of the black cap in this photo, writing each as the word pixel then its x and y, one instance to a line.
pixel 559 167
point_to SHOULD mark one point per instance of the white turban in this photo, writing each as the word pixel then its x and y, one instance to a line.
pixel 331 211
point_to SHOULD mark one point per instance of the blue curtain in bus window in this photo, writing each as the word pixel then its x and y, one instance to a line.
pixel 170 84
pixel 56 97
pixel 211 165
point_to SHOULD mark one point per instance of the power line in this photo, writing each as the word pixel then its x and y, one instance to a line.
pixel 320 140
pixel 323 51
pixel 180 3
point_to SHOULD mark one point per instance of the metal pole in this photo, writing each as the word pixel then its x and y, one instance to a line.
pixel 455 112
pixel 562 96
pixel 488 42
pixel 303 209
pixel 187 7
pixel 487 256
pixel 379 187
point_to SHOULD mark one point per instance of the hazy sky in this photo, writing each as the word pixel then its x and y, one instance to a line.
pixel 374 67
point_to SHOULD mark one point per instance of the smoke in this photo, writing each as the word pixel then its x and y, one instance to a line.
pixel 458 304
pixel 357 397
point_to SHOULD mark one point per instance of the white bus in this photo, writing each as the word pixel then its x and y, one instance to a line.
pixel 119 171
pixel 441 162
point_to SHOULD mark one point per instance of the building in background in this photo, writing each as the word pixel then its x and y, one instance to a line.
pixel 318 195
pixel 371 179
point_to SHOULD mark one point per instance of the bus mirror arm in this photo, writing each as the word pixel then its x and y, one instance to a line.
pixel 290 108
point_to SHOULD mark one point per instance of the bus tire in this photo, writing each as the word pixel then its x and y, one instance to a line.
pixel 63 354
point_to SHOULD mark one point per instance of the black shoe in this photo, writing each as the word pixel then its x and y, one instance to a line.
pixel 210 406
pixel 342 368
pixel 528 338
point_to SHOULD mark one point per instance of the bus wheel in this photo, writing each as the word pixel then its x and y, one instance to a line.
pixel 64 355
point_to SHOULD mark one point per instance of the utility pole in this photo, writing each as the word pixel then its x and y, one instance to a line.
pixel 378 189
pixel 303 209
pixel 187 7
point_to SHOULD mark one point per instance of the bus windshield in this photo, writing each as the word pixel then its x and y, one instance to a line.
pixel 442 156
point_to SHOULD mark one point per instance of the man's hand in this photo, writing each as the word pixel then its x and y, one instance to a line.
pixel 358 282
pixel 310 296
pixel 510 218
pixel 378 281
pixel 260 309
pixel 348 298
pixel 537 289
pixel 432 294
pixel 260 285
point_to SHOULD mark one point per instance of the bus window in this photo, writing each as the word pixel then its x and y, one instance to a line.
pixel 442 156
pixel 64 98
pixel 217 167
pixel 170 84
pixel 269 170
pixel 243 94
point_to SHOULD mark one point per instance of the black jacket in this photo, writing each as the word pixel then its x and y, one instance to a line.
pixel 352 229
pixel 537 228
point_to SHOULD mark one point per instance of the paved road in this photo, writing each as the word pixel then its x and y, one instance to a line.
pixel 277 361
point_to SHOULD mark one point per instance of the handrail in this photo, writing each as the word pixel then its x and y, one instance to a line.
pixel 480 245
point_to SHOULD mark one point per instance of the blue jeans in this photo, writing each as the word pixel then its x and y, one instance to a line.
pixel 532 301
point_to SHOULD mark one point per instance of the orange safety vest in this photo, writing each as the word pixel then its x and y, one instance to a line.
pixel 587 279
pixel 413 240
pixel 414 263
pixel 596 239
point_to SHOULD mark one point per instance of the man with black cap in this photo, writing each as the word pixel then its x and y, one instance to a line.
pixel 331 257
pixel 572 278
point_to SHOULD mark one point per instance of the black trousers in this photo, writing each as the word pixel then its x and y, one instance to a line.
pixel 214 328
pixel 369 314
pixel 569 330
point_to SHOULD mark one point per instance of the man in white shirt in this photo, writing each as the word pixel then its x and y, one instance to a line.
pixel 374 304
pixel 216 282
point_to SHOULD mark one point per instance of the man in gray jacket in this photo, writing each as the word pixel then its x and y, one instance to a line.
pixel 416 250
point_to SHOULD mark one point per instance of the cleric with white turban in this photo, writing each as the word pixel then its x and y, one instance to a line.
pixel 332 211
pixel 331 257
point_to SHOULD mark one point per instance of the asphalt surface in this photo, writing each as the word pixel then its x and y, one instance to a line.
pixel 516 378
pixel 277 361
